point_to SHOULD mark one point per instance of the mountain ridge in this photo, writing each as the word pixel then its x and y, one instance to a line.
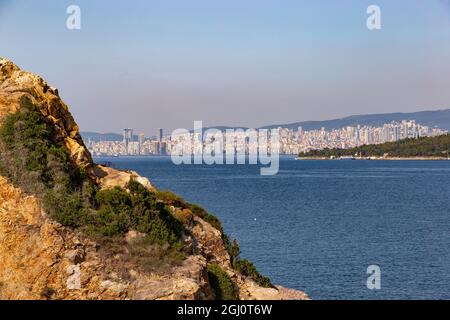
pixel 433 118
pixel 439 118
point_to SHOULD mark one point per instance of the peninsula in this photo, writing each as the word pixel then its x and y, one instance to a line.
pixel 424 148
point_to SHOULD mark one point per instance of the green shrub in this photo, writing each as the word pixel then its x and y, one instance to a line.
pixel 171 199
pixel 28 150
pixel 246 268
pixel 233 249
pixel 224 288
pixel 66 208
pixel 212 220
pixel 31 159
pixel 119 211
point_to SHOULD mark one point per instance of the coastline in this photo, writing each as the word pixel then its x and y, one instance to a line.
pixel 377 159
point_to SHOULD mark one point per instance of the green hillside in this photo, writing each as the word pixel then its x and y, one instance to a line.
pixel 408 148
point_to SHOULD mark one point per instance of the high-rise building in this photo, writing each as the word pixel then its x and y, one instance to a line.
pixel 396 133
pixel 160 143
pixel 386 135
pixel 133 148
pixel 127 137
pixel 163 148
pixel 141 141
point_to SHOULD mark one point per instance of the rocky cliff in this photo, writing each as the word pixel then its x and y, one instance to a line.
pixel 42 259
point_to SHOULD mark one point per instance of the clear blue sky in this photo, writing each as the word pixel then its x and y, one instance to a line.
pixel 150 64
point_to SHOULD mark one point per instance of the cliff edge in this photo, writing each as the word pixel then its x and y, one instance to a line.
pixel 43 257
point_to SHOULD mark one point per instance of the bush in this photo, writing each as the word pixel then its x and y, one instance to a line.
pixel 212 220
pixel 246 268
pixel 32 159
pixel 185 216
pixel 171 199
pixel 28 151
pixel 120 211
pixel 66 208
pixel 233 249
pixel 178 202
pixel 221 283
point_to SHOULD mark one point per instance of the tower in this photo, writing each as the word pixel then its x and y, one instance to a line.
pixel 127 137
pixel 160 139
pixel 141 142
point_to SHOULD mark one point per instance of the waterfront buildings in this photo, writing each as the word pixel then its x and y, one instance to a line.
pixel 291 141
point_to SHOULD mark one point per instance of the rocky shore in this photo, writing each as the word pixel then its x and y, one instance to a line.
pixel 39 257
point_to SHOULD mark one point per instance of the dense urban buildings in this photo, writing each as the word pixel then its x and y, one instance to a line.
pixel 291 141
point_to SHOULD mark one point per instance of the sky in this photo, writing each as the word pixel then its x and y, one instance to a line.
pixel 150 64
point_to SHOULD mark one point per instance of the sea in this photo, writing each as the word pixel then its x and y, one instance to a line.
pixel 334 229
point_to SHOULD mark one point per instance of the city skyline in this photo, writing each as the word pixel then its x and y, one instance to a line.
pixel 156 132
pixel 291 142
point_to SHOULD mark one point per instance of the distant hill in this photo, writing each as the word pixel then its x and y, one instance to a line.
pixel 439 118
pixel 426 147
pixel 222 128
pixel 95 136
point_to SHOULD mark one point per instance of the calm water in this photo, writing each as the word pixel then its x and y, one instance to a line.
pixel 318 225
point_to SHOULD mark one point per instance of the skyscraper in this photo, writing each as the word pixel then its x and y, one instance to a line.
pixel 127 137
pixel 160 138
pixel 141 139
pixel 160 135
pixel 141 142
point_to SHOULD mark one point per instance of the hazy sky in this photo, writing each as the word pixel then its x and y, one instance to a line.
pixel 150 64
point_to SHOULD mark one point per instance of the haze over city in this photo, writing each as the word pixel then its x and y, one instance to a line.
pixel 240 63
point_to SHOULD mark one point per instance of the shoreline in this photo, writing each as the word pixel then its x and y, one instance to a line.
pixel 377 159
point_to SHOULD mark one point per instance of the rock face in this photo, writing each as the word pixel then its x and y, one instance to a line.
pixel 15 83
pixel 40 259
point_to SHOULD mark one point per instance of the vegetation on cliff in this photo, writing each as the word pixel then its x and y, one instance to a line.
pixel 407 148
pixel 243 266
pixel 222 284
pixel 33 160
pixel 131 240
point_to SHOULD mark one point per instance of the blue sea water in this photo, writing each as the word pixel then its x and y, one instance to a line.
pixel 318 225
